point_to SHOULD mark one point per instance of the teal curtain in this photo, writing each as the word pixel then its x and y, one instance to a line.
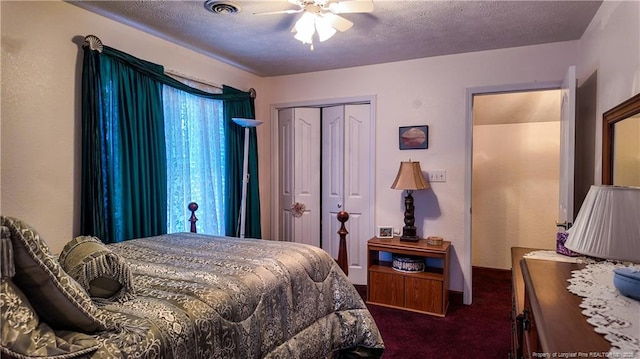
pixel 243 108
pixel 124 181
pixel 93 216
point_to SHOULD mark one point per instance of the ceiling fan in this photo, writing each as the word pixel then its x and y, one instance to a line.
pixel 322 16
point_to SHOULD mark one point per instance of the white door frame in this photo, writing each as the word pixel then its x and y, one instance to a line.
pixel 275 165
pixel 466 260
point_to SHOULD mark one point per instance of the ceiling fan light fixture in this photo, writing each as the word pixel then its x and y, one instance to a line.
pixel 304 39
pixel 320 16
pixel 324 28
pixel 305 28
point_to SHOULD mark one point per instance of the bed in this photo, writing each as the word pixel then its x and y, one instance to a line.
pixel 183 295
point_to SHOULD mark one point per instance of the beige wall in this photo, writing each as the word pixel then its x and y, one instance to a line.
pixel 41 74
pixel 40 107
pixel 515 190
pixel 428 91
pixel 432 91
pixel 611 46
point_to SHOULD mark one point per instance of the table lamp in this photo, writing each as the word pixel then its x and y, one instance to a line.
pixel 608 227
pixel 409 178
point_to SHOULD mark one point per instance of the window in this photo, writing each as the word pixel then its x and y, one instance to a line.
pixel 194 133
pixel 125 191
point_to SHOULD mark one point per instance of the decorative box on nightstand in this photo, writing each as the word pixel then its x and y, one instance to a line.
pixel 406 287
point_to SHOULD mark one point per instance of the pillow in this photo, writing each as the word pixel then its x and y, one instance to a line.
pixel 103 273
pixel 24 336
pixel 57 298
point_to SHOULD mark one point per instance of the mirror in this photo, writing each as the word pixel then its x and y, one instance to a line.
pixel 621 144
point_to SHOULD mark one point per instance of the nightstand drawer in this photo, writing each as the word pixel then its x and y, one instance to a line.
pixel 423 294
pixel 386 288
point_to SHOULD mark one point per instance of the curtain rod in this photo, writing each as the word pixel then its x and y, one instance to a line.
pixel 95 43
pixel 186 77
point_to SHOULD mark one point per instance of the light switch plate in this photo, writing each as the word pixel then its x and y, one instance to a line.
pixel 437 175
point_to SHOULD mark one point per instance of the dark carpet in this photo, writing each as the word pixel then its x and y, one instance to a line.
pixel 480 330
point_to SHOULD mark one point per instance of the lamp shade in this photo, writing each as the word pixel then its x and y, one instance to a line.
pixel 410 177
pixel 246 122
pixel 324 28
pixel 305 28
pixel 608 224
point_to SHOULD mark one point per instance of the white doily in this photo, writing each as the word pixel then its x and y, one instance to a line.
pixel 612 314
pixel 553 256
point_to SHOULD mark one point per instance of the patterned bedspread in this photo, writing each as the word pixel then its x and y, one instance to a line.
pixel 200 296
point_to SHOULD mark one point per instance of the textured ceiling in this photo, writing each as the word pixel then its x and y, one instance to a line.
pixel 394 31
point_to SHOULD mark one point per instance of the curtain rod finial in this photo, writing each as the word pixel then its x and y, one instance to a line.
pixel 94 42
pixel 253 93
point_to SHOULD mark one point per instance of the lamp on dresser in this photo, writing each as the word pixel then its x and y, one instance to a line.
pixel 608 227
pixel 409 178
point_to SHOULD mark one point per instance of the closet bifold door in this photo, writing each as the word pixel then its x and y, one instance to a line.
pixel 299 187
pixel 347 182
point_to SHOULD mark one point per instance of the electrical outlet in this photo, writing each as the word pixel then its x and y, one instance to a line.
pixel 437 176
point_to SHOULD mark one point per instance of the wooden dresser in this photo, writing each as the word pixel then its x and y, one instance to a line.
pixel 547 320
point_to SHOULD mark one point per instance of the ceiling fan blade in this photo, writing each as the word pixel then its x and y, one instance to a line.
pixel 279 12
pixel 343 7
pixel 338 22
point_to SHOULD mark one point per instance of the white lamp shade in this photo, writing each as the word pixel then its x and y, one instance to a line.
pixel 246 122
pixel 305 28
pixel 608 224
pixel 324 28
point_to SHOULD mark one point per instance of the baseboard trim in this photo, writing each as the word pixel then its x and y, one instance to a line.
pixel 497 270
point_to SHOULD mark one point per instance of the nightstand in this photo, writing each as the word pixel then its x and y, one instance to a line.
pixel 424 292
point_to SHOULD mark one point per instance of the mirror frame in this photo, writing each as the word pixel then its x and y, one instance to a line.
pixel 624 110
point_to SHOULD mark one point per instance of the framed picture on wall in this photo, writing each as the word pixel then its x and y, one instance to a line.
pixel 413 137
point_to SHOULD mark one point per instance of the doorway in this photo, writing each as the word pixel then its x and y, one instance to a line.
pixel 515 174
pixel 466 258
pixel 343 172
pixel 577 149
